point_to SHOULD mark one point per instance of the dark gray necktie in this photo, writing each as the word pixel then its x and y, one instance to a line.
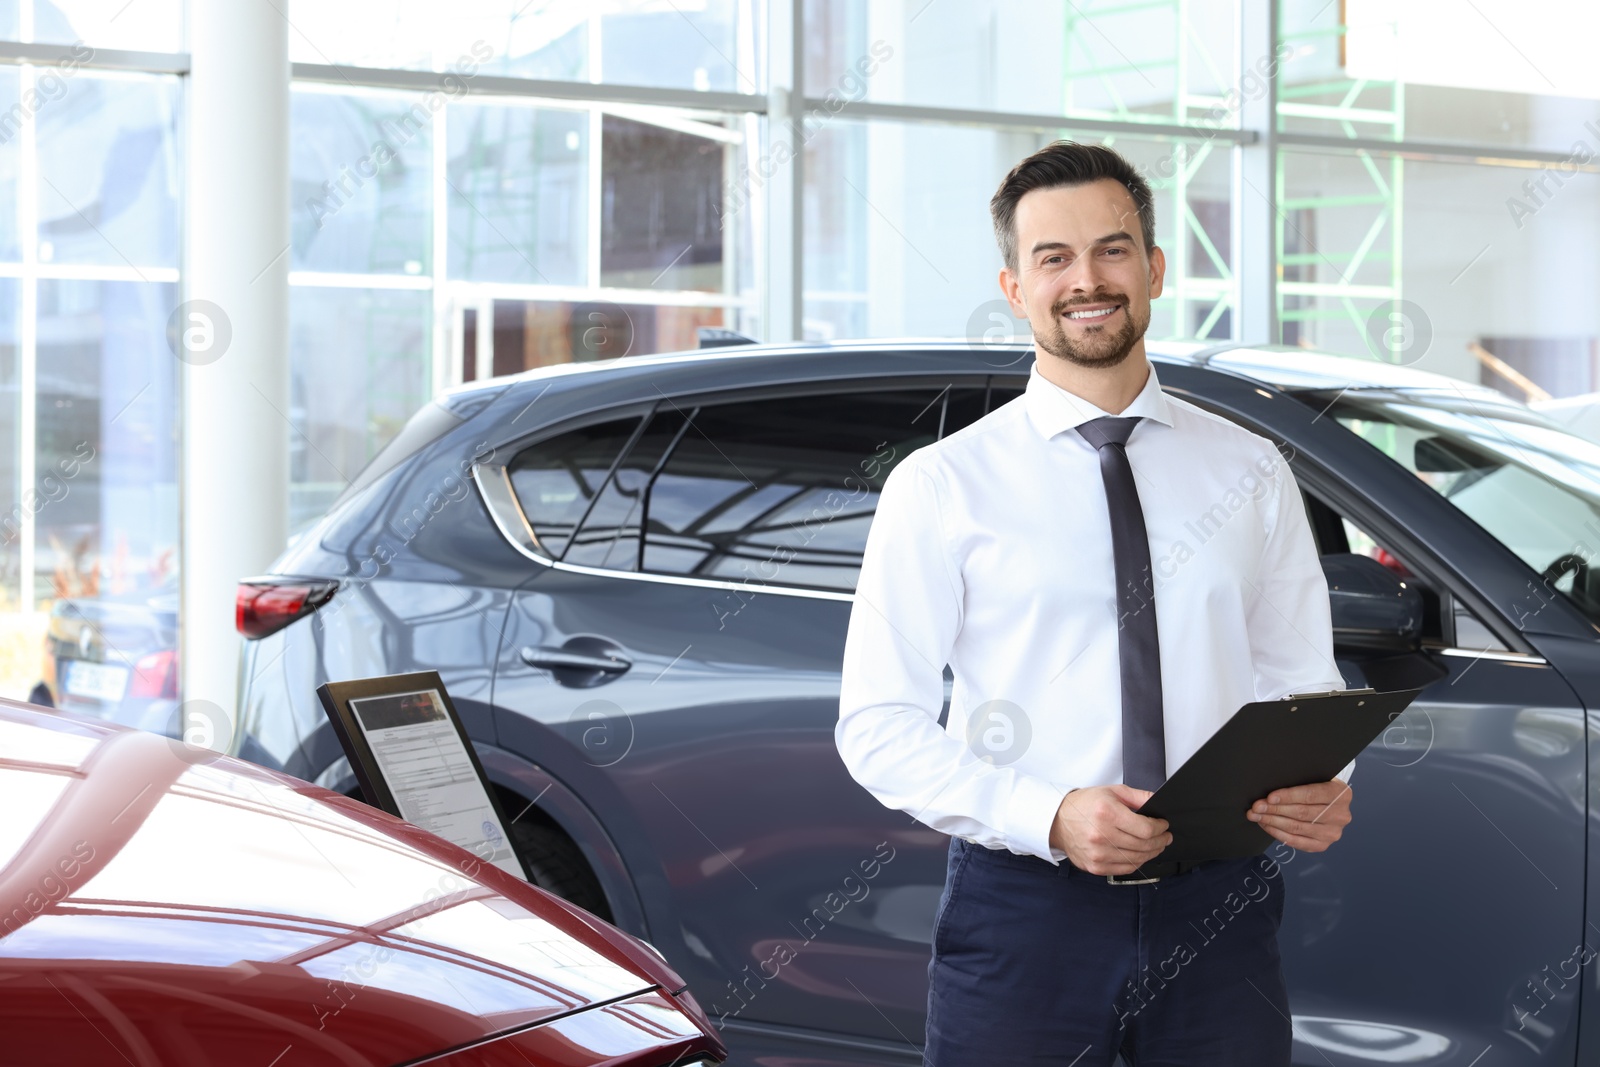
pixel 1144 747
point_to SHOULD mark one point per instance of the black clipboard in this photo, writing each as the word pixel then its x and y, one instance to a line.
pixel 441 786
pixel 1266 745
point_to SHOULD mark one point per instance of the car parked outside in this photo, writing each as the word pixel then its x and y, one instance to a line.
pixel 161 904
pixel 115 657
pixel 636 577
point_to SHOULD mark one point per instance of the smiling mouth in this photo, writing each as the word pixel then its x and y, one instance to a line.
pixel 1093 315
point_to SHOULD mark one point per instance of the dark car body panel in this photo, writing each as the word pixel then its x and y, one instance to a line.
pixel 160 904
pixel 703 786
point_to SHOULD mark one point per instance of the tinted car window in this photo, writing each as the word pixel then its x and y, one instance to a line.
pixel 781 491
pixel 1529 483
pixel 1003 392
pixel 969 404
pixel 962 407
pixel 610 535
pixel 556 479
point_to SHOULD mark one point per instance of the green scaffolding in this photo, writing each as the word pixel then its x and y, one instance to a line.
pixel 1317 272
pixel 1199 279
pixel 1314 277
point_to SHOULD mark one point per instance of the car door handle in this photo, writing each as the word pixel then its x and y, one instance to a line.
pixel 561 658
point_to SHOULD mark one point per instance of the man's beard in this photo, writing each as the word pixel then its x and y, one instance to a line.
pixel 1098 348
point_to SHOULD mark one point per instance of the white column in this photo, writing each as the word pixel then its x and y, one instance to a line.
pixel 446 350
pixel 1255 178
pixel 783 303
pixel 233 328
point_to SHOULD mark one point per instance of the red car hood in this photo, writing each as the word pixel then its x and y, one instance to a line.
pixel 157 908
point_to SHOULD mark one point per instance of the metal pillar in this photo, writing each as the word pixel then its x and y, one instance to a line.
pixel 1319 284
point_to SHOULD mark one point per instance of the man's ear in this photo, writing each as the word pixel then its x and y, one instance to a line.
pixel 1158 270
pixel 1012 288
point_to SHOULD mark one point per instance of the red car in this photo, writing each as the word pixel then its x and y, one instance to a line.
pixel 162 905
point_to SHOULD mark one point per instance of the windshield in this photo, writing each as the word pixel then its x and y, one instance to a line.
pixel 1520 476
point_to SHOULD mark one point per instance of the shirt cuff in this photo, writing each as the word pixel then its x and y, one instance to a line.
pixel 1030 814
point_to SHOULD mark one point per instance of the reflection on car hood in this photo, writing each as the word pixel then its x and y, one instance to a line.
pixel 144 891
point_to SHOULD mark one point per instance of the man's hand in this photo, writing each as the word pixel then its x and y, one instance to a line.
pixel 1305 817
pixel 1101 833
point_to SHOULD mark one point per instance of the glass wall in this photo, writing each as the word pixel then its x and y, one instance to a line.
pixel 1424 254
pixel 898 239
pixel 361 182
pixel 358 369
pixel 897 248
pixel 708 45
pixel 90 166
pixel 459 233
pixel 1494 73
pixel 137 25
pixel 518 180
pixel 450 235
pixel 1168 61
pixel 1449 266
pixel 1470 251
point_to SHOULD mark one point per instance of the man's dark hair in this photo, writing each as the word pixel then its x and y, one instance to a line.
pixel 1067 163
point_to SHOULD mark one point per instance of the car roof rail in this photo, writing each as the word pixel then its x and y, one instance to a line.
pixel 718 337
pixel 1206 355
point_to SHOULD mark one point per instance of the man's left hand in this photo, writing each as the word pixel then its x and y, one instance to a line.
pixel 1308 818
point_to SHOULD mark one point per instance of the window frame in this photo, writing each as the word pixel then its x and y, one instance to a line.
pixel 493 479
pixel 942 384
pixel 1317 480
pixel 494 486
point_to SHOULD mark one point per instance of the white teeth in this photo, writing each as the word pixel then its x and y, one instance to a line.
pixel 1101 313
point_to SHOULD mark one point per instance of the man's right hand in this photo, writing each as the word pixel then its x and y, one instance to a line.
pixel 1101 833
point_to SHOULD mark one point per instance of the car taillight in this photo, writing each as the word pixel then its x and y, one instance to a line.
pixel 156 675
pixel 1392 562
pixel 266 605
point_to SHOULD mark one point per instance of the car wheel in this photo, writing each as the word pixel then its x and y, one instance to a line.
pixel 558 866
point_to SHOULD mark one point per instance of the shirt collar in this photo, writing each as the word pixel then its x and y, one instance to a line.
pixel 1053 409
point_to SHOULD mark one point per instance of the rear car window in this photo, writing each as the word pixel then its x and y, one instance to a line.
pixel 612 532
pixel 782 490
pixel 557 479
pixel 778 490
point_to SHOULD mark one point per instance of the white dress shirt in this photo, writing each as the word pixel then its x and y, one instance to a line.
pixel 990 550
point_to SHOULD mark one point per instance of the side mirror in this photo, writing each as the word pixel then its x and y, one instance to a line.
pixel 1374 609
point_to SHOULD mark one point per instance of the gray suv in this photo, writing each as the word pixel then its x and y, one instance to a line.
pixel 635 579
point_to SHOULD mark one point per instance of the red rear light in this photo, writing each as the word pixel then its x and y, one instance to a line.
pixel 156 675
pixel 1394 564
pixel 266 605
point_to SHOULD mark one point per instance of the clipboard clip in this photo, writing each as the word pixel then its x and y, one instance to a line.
pixel 1330 693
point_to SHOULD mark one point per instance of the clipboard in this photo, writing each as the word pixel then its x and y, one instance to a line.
pixel 413 759
pixel 1266 745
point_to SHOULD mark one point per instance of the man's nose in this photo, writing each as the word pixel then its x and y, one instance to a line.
pixel 1084 274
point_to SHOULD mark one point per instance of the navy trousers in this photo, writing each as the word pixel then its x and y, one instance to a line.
pixel 1039 964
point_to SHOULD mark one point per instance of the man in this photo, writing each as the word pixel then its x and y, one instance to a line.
pixel 1109 572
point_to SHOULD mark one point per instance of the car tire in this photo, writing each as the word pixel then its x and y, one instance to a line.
pixel 557 866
